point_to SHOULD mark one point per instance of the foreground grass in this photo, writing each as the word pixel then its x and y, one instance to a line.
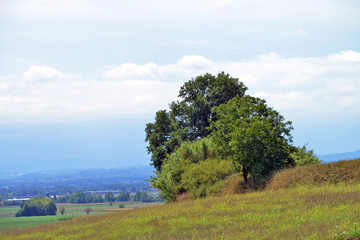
pixel 317 212
pixel 8 222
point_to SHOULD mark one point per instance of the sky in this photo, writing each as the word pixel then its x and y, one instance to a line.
pixel 79 80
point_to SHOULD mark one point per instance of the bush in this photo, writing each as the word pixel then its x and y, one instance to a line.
pixel 206 177
pixel 302 156
pixel 87 210
pixel 62 210
pixel 193 168
pixel 121 206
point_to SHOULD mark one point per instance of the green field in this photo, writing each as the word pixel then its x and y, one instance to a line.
pixel 8 222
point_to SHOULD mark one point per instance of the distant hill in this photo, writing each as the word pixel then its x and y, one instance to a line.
pixel 81 180
pixel 339 156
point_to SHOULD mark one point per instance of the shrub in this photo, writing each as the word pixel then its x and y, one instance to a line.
pixel 87 210
pixel 121 206
pixel 206 177
pixel 62 210
pixel 302 156
pixel 192 168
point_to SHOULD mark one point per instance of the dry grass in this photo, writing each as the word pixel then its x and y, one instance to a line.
pixel 319 174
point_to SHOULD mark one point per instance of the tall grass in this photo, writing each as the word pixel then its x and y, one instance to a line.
pixel 318 174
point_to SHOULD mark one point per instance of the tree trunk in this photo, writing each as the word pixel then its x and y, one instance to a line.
pixel 245 174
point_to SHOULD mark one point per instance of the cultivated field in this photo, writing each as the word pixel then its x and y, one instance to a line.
pixel 8 222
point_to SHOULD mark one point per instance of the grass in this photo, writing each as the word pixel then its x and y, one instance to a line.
pixel 312 202
pixel 9 223
pixel 317 212
pixel 319 174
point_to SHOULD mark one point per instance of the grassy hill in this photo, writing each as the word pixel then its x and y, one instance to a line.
pixel 312 202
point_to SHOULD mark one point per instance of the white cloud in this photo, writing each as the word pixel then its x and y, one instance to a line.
pixel 129 71
pixel 310 88
pixel 193 62
pixel 350 56
pixel 36 73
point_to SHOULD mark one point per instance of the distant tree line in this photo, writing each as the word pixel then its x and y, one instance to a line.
pixel 81 197
pixel 109 197
pixel 33 189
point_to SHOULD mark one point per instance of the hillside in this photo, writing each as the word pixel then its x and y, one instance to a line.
pixel 325 210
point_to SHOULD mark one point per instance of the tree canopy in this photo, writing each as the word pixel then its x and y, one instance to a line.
pixel 256 137
pixel 189 119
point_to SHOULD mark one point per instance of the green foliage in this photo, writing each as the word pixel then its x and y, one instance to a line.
pixel 191 168
pixel 110 197
pixel 79 197
pixel 124 196
pixel 203 178
pixel 37 207
pixel 143 196
pixel 189 118
pixel 302 156
pixel 121 205
pixel 253 135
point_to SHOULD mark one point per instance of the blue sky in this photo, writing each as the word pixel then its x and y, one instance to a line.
pixel 80 79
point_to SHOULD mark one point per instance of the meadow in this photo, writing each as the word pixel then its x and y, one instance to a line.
pixel 298 203
pixel 325 212
pixel 8 222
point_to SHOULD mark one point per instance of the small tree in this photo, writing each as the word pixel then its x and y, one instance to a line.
pixel 62 210
pixel 110 198
pixel 87 210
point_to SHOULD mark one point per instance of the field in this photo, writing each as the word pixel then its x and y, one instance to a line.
pixel 325 212
pixel 8 222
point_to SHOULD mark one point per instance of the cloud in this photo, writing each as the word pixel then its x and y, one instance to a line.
pixel 129 71
pixel 300 88
pixel 350 56
pixel 193 62
pixel 36 73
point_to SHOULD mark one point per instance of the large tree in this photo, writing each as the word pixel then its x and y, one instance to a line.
pixel 189 119
pixel 256 137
